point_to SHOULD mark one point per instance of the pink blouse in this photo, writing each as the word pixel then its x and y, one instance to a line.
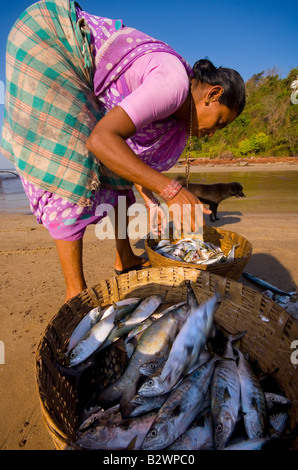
pixel 158 86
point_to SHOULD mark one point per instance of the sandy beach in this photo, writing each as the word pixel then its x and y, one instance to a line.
pixel 32 292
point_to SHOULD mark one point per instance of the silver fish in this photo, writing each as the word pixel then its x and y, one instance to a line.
pixel 118 437
pixel 190 255
pixel 139 329
pixel 212 259
pixel 154 342
pixel 125 307
pixel 163 243
pixel 181 407
pixel 146 404
pixel 248 444
pixel 94 338
pixel 85 325
pixel 191 251
pixel 102 417
pixel 83 329
pixel 190 340
pixel 225 395
pixel 144 310
pixel 168 255
pixel 151 367
pixel 198 436
pixel 155 386
pixel 266 285
pixel 253 401
pixel 279 421
pixel 273 400
pixel 231 255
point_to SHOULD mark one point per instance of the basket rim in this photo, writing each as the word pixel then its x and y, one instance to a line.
pixel 152 276
pixel 214 269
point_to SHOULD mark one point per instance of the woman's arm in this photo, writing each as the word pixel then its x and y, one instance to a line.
pixel 108 144
pixel 146 194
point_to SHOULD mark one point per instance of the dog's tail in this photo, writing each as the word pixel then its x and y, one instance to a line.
pixel 181 179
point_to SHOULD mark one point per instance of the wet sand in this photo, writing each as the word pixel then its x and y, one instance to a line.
pixel 32 291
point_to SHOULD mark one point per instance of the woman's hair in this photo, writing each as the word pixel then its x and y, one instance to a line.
pixel 231 81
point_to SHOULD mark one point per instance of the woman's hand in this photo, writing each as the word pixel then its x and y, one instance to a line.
pixel 157 215
pixel 187 212
pixel 108 143
pixel 157 219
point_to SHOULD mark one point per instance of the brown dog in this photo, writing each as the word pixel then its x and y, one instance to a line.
pixel 213 194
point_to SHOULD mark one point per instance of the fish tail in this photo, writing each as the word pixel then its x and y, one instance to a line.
pixel 233 337
pixel 125 403
pixel 111 394
pixel 219 290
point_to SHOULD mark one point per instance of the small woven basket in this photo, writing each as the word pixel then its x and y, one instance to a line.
pixel 222 238
pixel 242 309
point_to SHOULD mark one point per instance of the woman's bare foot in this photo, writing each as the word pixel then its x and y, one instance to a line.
pixel 123 263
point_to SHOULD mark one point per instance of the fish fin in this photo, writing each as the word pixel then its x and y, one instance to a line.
pixel 227 394
pixel 132 444
pixel 234 336
pixel 254 404
pixel 219 289
pixel 164 295
pixel 126 408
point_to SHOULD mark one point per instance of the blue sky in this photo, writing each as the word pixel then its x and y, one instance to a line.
pixel 249 36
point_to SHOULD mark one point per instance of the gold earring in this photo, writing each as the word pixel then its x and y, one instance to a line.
pixel 209 100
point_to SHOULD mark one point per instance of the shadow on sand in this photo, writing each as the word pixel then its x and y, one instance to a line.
pixel 260 264
pixel 225 218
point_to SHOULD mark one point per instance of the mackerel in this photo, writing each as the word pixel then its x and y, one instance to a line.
pixel 155 342
pixel 190 340
pixel 253 401
pixel 181 407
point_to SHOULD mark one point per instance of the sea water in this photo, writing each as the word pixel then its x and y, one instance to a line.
pixel 274 191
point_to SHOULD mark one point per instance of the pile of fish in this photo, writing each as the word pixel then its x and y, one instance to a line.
pixel 194 250
pixel 187 384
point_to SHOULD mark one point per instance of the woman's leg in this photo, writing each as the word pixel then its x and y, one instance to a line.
pixel 125 257
pixel 71 259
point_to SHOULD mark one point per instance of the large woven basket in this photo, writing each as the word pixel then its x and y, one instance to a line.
pixel 267 342
pixel 219 237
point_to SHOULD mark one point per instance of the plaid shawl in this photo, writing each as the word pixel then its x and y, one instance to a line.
pixel 50 106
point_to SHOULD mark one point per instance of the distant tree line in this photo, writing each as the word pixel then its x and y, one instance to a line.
pixel 268 126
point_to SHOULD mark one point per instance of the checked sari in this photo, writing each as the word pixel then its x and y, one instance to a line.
pixel 51 106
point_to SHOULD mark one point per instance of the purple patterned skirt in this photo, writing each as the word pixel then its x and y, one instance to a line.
pixel 65 220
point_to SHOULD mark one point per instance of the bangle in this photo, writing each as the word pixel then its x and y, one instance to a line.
pixel 171 190
pixel 153 202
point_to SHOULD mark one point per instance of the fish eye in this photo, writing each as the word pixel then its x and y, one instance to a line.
pixel 260 435
pixel 150 382
pixel 219 428
pixel 153 433
pixel 151 365
pixel 72 355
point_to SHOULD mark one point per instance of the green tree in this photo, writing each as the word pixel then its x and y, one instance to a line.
pixel 268 126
